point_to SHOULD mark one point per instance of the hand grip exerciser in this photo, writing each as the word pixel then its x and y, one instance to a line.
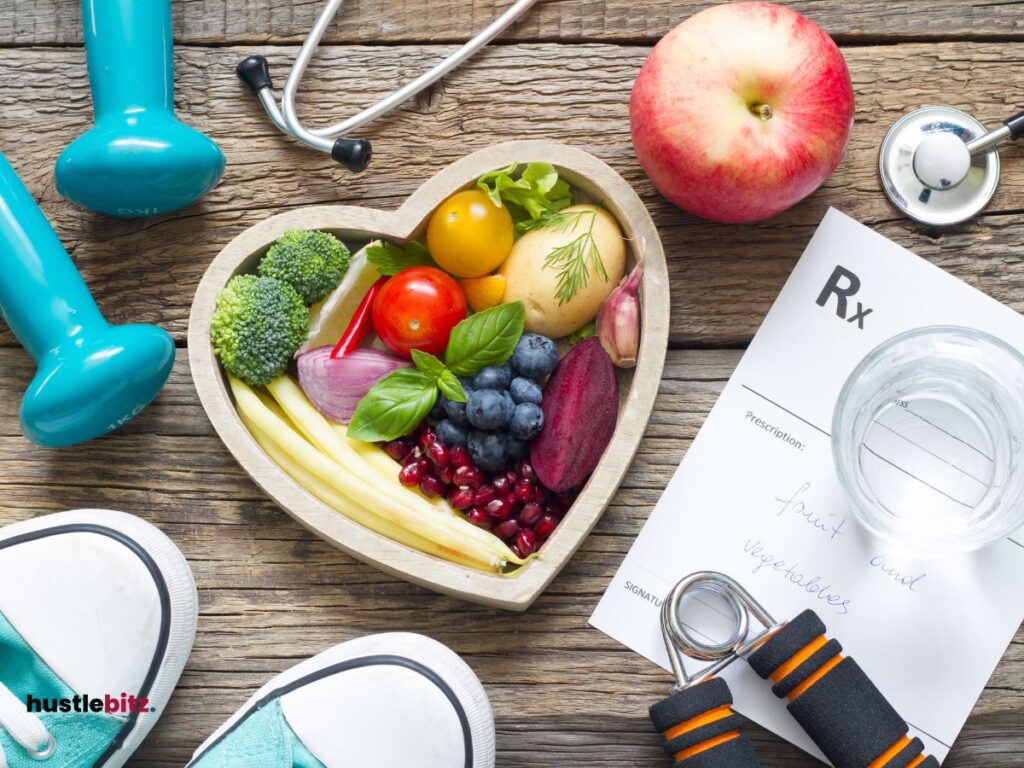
pixel 829 695
pixel 92 376
pixel 138 159
pixel 700 728
pixel 834 700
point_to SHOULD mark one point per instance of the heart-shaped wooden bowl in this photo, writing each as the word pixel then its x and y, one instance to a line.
pixel 638 387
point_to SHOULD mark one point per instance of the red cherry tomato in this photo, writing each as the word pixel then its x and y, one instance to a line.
pixel 417 309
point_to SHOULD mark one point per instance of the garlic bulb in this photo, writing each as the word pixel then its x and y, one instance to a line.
pixel 618 320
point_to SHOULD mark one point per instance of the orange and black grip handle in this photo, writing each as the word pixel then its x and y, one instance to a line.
pixel 701 730
pixel 834 700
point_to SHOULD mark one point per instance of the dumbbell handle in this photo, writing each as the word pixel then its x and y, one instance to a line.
pixel 43 298
pixel 834 700
pixel 701 730
pixel 130 55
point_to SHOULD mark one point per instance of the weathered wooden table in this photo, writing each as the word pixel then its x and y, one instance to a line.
pixel 272 594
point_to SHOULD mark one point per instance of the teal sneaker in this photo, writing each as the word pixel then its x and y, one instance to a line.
pixel 97 618
pixel 385 701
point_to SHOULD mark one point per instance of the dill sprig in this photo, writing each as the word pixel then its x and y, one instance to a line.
pixel 577 259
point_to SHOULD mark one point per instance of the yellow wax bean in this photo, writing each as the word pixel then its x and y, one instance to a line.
pixel 435 526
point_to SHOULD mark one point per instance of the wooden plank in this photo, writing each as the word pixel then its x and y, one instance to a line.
pixel 271 594
pixel 45 22
pixel 724 278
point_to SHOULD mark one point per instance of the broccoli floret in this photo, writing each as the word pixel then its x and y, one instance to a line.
pixel 257 326
pixel 312 263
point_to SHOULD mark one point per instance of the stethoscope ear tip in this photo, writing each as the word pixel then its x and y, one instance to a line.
pixel 254 72
pixel 354 154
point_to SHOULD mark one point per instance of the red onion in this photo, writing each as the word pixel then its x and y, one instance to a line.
pixel 335 386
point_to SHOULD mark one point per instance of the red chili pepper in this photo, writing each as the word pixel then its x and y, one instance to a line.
pixel 360 324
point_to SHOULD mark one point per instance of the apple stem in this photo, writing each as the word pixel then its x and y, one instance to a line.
pixel 764 111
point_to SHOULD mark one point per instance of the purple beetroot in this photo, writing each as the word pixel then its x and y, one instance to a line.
pixel 581 406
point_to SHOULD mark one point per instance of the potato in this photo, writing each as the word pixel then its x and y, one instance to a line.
pixel 536 284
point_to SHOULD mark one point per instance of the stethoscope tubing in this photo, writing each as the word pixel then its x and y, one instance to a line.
pixel 286 118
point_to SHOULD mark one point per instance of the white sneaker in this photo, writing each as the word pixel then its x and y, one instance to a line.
pixel 97 618
pixel 386 701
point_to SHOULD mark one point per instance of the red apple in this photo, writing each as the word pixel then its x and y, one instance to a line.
pixel 741 111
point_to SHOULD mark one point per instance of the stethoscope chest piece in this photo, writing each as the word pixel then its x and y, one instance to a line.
pixel 928 172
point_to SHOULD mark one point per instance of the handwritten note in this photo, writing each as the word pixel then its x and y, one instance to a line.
pixel 756 497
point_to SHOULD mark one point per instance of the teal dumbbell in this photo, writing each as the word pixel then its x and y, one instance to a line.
pixel 92 376
pixel 138 159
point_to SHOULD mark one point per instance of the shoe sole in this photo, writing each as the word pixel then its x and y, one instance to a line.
pixel 178 602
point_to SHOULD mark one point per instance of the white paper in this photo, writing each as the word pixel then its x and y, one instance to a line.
pixel 930 632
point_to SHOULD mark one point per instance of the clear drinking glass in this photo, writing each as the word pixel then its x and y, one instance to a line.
pixel 926 439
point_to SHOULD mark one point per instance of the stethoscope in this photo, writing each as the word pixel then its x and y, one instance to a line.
pixel 354 154
pixel 940 167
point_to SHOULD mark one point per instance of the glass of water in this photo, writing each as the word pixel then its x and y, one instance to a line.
pixel 926 439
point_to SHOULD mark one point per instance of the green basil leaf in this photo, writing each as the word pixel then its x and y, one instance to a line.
pixel 392 258
pixel 394 406
pixel 428 364
pixel 451 387
pixel 486 338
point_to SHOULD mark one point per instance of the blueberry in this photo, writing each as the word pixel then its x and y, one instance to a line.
pixel 535 356
pixel 438 412
pixel 456 411
pixel 527 421
pixel 451 434
pixel 486 409
pixel 487 449
pixel 517 449
pixel 467 383
pixel 510 405
pixel 491 378
pixel 525 391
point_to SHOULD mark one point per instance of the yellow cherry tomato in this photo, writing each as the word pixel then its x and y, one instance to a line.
pixel 483 292
pixel 468 235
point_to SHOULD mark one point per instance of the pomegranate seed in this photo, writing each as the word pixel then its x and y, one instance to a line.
pixel 427 438
pixel 525 471
pixel 524 492
pixel 438 453
pixel 501 485
pixel 431 486
pixel 506 530
pixel 398 449
pixel 468 476
pixel 410 475
pixel 512 477
pixel 483 496
pixel 459 456
pixel 545 526
pixel 446 476
pixel 515 550
pixel 531 513
pixel 499 509
pixel 479 517
pixel 526 540
pixel 461 498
